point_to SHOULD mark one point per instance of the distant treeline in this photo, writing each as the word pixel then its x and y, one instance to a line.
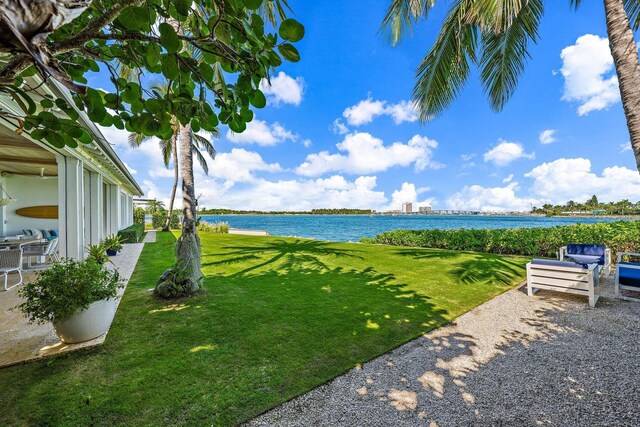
pixel 343 211
pixel 591 206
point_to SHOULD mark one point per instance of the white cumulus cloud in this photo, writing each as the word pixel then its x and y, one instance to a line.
pixel 293 194
pixel 572 179
pixel 362 153
pixel 589 76
pixel 490 199
pixel 261 133
pixel 368 109
pixel 506 152
pixel 283 89
pixel 239 165
pixel 547 136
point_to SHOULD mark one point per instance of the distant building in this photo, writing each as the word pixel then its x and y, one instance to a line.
pixel 424 209
pixel 407 207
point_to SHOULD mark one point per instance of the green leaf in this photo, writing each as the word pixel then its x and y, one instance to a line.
pixel 183 7
pixel 252 4
pixel 169 39
pixel 170 67
pixel 152 55
pixel 46 103
pixel 289 52
pixel 237 124
pixel 258 99
pixel 291 30
pixel 246 114
pixel 38 134
pixel 134 18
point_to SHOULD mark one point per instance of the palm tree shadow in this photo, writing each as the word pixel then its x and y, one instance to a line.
pixel 481 268
pixel 283 256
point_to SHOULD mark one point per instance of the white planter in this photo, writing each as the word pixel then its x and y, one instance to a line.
pixel 87 324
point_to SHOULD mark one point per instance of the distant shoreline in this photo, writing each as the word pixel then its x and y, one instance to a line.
pixel 636 217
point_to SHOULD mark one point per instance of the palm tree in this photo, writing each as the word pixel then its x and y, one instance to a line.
pixel 154 206
pixel 494 35
pixel 199 143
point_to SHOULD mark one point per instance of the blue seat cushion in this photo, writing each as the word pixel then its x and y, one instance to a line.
pixel 579 249
pixel 556 263
pixel 586 259
pixel 629 276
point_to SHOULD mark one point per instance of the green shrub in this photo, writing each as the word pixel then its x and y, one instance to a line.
pixel 58 292
pixel 158 219
pixel 217 227
pixel 139 215
pixel 132 234
pixel 620 236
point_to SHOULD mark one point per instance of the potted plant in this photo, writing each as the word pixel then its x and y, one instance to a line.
pixel 78 297
pixel 112 244
pixel 97 253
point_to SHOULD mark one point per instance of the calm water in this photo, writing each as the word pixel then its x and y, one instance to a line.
pixel 346 228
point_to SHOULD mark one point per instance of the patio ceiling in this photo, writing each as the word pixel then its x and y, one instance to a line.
pixel 20 156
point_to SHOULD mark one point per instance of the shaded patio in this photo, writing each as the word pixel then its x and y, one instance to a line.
pixel 23 342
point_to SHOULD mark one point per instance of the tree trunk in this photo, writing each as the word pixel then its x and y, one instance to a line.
pixel 188 246
pixel 185 278
pixel 174 148
pixel 625 58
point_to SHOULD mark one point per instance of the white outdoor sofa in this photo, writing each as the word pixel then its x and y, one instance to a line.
pixel 563 276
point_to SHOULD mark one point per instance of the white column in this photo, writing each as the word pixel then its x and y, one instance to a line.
pixel 71 207
pixel 95 207
pixel 114 209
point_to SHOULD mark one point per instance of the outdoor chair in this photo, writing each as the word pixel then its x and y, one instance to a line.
pixel 627 276
pixel 587 254
pixel 11 262
pixel 48 250
pixel 564 276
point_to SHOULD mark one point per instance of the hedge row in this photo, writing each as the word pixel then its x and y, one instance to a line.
pixel 132 234
pixel 543 242
pixel 158 219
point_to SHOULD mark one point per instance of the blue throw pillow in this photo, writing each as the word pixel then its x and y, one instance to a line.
pixel 27 232
pixel 46 234
pixel 54 233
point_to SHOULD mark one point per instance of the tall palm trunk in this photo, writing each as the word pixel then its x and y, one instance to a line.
pixel 625 58
pixel 188 246
pixel 174 148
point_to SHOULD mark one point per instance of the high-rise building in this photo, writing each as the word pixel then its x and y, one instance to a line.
pixel 407 207
pixel 424 209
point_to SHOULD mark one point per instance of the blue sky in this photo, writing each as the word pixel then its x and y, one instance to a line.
pixel 339 129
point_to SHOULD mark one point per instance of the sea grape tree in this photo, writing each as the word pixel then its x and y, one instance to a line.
pixel 212 53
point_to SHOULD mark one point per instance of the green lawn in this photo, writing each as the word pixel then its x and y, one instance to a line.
pixel 278 318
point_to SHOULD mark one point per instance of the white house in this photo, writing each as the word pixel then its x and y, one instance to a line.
pixel 89 185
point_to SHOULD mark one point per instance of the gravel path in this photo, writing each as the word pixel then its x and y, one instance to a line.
pixel 546 360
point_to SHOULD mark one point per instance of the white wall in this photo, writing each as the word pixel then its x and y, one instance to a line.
pixel 29 191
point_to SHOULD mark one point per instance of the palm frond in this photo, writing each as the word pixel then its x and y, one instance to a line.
pixel 166 147
pixel 633 11
pixel 203 143
pixel 272 10
pixel 401 16
pixel 201 159
pixel 505 53
pixel 136 139
pixel 445 69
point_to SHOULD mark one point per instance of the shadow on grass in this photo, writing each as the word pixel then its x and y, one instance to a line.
pixel 282 254
pixel 480 268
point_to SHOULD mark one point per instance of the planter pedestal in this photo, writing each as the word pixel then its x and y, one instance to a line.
pixel 87 324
